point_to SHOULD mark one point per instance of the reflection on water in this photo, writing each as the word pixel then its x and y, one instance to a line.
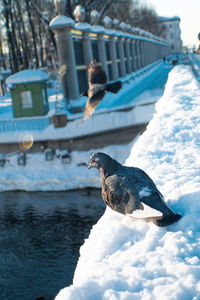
pixel 40 237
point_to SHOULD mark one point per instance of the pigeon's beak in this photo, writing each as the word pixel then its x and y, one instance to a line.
pixel 92 164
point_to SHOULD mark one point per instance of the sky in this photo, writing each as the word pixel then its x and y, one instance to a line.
pixel 189 13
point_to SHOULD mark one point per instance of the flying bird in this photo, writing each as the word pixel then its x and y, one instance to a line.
pixel 98 86
pixel 130 191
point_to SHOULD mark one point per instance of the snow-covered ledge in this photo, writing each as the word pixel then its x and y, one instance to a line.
pixel 123 259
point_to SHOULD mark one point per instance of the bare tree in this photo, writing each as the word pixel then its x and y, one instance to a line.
pixel 31 23
pixel 10 40
pixel 29 39
pixel 2 59
pixel 22 34
pixel 45 21
pixel 121 9
pixel 146 18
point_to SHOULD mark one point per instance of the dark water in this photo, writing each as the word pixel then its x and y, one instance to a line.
pixel 40 237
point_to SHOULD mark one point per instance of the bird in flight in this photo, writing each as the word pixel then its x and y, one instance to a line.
pixel 130 191
pixel 98 86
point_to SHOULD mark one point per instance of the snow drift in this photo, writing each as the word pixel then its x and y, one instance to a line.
pixel 128 260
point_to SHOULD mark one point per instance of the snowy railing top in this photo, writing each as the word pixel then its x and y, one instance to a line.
pixel 111 27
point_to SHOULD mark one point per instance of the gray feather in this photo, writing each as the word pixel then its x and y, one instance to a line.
pixel 127 189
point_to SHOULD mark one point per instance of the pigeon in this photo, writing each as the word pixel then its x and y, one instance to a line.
pixel 98 86
pixel 130 191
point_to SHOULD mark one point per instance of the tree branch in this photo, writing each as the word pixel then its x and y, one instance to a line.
pixel 44 18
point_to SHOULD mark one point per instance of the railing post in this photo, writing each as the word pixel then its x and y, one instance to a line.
pixel 62 26
pixel 100 31
pixel 137 48
pixel 120 46
pixel 102 51
pixel 134 50
pixel 112 47
pixel 85 28
pixel 147 49
pixel 127 49
pixel 139 53
pixel 146 53
pixel 151 52
pixel 143 57
pixel 134 63
pixel 87 48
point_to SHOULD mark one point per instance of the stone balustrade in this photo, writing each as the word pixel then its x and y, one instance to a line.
pixel 120 48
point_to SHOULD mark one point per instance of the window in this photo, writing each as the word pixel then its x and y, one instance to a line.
pixel 44 96
pixel 26 99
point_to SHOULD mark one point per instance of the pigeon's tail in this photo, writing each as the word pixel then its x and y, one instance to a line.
pixel 167 220
pixel 114 87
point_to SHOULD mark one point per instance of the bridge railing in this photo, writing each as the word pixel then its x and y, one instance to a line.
pixel 24 124
pixel 120 48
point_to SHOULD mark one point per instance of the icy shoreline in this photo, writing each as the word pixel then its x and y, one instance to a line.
pixel 42 175
pixel 127 260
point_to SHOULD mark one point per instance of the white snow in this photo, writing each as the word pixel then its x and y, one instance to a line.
pixel 98 29
pixel 125 259
pixel 42 175
pixel 26 76
pixel 61 21
pixel 83 26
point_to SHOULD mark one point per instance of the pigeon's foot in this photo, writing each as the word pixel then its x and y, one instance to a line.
pixel 147 219
pixel 167 220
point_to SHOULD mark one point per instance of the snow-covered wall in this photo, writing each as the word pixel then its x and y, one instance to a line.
pixel 129 260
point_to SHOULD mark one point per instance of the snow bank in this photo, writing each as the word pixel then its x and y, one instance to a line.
pixel 42 175
pixel 129 260
pixel 26 76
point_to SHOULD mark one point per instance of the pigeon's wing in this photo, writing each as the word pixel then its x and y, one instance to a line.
pixel 96 93
pixel 147 191
pixel 94 98
pixel 114 87
pixel 97 80
pixel 118 193
pixel 141 178
pixel 122 195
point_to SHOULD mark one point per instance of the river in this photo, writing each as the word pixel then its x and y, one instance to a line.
pixel 40 237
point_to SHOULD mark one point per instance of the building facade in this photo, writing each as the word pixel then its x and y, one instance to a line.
pixel 170 30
